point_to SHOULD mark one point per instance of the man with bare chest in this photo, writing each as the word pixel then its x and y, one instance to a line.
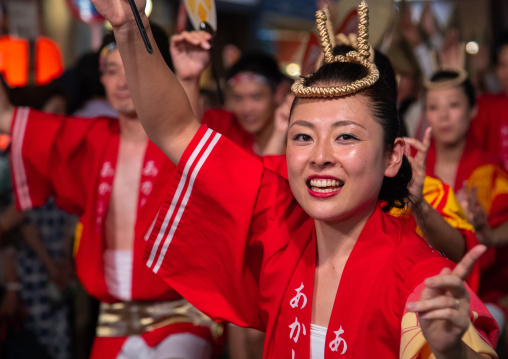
pixel 109 173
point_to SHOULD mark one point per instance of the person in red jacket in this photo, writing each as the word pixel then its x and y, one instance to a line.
pixel 108 172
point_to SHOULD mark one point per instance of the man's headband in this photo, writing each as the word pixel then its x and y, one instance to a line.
pixel 250 77
pixel 360 55
pixel 105 51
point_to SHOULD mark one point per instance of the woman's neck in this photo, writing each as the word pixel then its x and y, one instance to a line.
pixel 335 240
pixel 450 153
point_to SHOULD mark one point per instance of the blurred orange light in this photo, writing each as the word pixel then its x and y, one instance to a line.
pixel 14 61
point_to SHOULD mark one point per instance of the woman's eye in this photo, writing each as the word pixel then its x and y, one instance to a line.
pixel 346 137
pixel 302 137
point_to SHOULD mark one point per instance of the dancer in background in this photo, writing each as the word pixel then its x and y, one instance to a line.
pixel 109 173
pixel 482 185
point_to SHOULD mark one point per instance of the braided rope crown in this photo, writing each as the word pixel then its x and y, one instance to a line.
pixel 361 55
pixel 459 70
pixel 448 83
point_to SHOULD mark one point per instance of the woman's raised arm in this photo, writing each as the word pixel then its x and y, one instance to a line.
pixel 160 101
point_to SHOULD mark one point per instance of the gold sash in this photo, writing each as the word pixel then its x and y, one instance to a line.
pixel 135 318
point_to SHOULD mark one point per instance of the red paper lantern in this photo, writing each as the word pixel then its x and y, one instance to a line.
pixel 20 67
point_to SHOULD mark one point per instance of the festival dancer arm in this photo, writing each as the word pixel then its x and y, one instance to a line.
pixel 437 232
pixel 161 103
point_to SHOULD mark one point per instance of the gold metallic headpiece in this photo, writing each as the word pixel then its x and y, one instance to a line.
pixel 361 55
pixel 447 83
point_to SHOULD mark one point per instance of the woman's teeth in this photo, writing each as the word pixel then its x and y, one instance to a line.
pixel 325 185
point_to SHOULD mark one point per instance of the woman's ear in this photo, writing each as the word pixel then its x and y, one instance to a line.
pixel 394 161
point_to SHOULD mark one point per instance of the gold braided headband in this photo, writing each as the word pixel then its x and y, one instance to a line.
pixel 361 55
pixel 449 83
pixel 350 40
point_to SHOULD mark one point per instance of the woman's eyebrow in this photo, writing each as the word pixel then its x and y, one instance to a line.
pixel 347 123
pixel 302 123
pixel 334 125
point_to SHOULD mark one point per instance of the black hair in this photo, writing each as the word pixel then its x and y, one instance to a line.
pixel 88 77
pixel 161 40
pixel 394 191
pixel 258 63
pixel 36 96
pixel 500 42
pixel 466 85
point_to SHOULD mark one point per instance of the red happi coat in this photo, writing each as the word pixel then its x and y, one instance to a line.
pixel 478 169
pixel 251 261
pixel 74 160
pixel 438 194
pixel 490 127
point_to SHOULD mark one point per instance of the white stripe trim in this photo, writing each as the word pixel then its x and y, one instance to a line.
pixel 18 137
pixel 147 234
pixel 176 196
pixel 178 216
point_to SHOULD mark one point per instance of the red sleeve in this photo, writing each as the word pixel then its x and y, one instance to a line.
pixel 206 241
pixel 30 157
pixel 277 164
pixel 49 159
pixel 480 124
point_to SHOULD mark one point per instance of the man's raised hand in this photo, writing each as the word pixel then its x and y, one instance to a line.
pixel 118 12
pixel 190 54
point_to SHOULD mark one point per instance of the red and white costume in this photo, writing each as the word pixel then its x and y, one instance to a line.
pixel 251 261
pixel 74 160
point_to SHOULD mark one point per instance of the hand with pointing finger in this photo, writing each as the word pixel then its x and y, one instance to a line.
pixel 443 308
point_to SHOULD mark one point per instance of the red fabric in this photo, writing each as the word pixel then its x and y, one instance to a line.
pixel 68 161
pixel 495 271
pixel 226 124
pixel 110 347
pixel 490 127
pixel 74 160
pixel 276 163
pixel 254 250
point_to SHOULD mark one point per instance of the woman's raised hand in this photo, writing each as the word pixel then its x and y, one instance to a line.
pixel 118 12
pixel 443 308
pixel 418 164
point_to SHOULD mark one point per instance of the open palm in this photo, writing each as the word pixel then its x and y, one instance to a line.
pixel 117 12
